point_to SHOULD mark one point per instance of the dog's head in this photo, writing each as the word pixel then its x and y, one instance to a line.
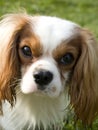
pixel 45 55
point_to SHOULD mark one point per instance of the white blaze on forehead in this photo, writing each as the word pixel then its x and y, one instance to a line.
pixel 52 31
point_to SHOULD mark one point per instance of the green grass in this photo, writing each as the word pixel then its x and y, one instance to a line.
pixel 83 12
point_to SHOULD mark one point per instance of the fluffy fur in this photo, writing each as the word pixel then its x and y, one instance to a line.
pixel 62 48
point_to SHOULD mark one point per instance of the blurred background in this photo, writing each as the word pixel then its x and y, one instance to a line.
pixel 83 12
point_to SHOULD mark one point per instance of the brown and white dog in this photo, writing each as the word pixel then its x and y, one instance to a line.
pixel 43 60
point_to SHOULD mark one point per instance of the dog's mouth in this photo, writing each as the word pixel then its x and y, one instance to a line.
pixel 41 88
pixel 49 90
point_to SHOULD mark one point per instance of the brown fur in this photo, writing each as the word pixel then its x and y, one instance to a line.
pixel 9 68
pixel 84 82
pixel 63 49
pixel 35 46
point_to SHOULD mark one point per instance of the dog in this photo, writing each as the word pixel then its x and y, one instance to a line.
pixel 43 61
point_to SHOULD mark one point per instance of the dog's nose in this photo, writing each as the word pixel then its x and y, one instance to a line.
pixel 43 77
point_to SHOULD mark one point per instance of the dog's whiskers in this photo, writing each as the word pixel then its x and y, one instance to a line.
pixel 14 82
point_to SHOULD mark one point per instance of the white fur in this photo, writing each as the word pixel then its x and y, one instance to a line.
pixel 52 38
pixel 36 107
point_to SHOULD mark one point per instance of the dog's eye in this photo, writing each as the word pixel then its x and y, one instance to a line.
pixel 67 59
pixel 26 51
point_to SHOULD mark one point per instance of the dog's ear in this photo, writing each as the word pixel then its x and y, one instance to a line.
pixel 84 82
pixel 10 28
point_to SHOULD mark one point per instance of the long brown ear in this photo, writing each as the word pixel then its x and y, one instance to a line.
pixel 84 84
pixel 10 28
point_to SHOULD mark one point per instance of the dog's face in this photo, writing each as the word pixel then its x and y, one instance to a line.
pixel 46 57
pixel 47 54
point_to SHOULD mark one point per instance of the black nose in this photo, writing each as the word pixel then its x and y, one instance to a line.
pixel 43 77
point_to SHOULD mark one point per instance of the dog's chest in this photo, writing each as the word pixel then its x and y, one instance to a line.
pixel 31 111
